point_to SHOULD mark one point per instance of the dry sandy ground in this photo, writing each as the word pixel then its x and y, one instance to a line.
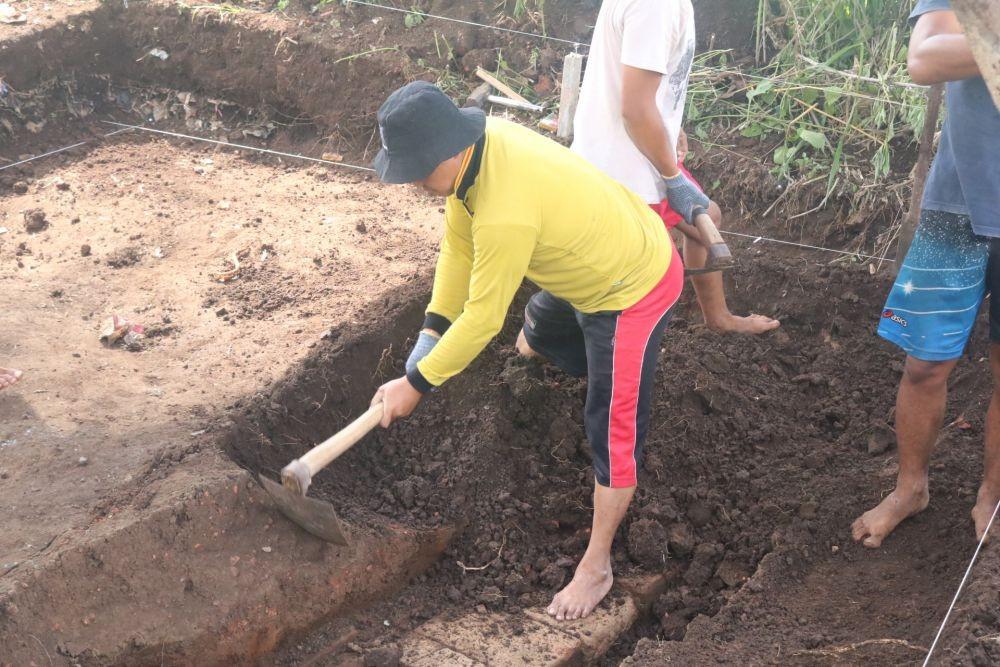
pixel 83 431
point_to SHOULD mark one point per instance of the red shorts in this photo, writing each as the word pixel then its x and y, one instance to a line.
pixel 670 217
pixel 617 351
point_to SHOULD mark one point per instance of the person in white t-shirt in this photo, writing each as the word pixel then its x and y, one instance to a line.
pixel 628 124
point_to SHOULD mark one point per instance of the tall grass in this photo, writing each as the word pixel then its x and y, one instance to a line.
pixel 828 87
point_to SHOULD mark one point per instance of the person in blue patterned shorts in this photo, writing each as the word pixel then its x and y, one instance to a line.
pixel 953 263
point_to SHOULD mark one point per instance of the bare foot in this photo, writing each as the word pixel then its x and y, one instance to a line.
pixel 875 525
pixel 986 502
pixel 583 594
pixel 751 325
pixel 8 376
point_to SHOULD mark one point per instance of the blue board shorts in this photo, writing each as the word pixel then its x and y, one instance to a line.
pixel 948 271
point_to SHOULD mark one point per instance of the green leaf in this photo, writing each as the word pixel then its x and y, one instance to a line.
pixel 808 95
pixel 754 130
pixel 760 89
pixel 815 139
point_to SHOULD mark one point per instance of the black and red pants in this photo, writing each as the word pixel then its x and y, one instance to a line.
pixel 617 352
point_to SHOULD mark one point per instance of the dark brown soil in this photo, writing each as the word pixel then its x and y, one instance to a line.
pixel 758 456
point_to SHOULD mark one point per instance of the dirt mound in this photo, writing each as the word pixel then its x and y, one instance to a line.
pixel 731 473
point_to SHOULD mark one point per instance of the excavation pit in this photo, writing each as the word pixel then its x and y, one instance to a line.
pixel 161 549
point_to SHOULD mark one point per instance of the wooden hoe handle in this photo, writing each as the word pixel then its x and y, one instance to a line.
pixel 298 474
pixel 718 252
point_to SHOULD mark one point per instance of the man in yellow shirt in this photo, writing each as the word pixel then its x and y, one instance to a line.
pixel 521 206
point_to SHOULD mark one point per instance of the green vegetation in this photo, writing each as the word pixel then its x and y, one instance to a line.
pixel 829 95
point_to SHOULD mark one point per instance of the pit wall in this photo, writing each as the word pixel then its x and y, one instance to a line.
pixel 212 573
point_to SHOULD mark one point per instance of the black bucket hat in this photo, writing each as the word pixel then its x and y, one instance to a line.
pixel 421 128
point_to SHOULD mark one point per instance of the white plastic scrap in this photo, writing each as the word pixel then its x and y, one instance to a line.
pixel 159 53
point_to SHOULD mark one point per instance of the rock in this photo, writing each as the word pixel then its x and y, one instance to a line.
pixel 647 543
pixel 20 187
pixel 807 510
pixel 699 514
pixel 681 540
pixel 553 576
pixel 124 257
pixel 880 439
pixel 82 461
pixel 731 572
pixel 361 227
pixel 387 655
pixel 715 361
pixel 544 86
pixel 405 493
pixel 524 377
pixel 85 250
pixel 702 565
pixel 34 220
pixel 515 585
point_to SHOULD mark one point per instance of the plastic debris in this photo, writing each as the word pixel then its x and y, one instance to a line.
pixel 159 53
pixel 232 273
pixel 3 230
pixel 118 329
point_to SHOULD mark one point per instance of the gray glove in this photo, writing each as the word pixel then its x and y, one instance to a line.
pixel 425 343
pixel 684 197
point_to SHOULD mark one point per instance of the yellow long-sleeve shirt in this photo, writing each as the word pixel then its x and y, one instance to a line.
pixel 536 210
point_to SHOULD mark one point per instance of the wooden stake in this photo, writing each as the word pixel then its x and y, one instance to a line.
pixel 499 85
pixel 909 226
pixel 571 77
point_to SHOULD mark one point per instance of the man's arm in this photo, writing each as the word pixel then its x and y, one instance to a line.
pixel 939 51
pixel 643 120
pixel 501 257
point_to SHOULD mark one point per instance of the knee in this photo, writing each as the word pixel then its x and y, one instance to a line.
pixel 715 213
pixel 927 374
pixel 522 346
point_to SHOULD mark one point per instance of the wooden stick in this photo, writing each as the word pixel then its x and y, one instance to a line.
pixel 499 85
pixel 571 77
pixel 912 219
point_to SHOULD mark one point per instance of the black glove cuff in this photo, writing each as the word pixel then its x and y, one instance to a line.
pixel 418 381
pixel 436 323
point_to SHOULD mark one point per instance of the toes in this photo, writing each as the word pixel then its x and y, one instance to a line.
pixel 859 529
pixel 873 541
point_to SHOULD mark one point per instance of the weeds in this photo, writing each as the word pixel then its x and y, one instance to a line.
pixel 834 89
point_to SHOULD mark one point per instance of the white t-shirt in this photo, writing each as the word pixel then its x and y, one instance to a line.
pixel 655 35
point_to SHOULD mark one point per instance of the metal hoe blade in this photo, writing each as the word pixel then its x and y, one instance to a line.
pixel 312 515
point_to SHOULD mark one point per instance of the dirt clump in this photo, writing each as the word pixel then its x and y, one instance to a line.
pixel 35 221
pixel 123 257
pixel 647 543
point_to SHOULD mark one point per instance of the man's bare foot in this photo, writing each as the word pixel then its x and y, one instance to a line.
pixel 583 594
pixel 751 325
pixel 8 376
pixel 875 525
pixel 986 502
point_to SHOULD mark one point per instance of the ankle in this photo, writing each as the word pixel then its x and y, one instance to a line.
pixel 912 486
pixel 989 492
pixel 597 566
pixel 720 320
